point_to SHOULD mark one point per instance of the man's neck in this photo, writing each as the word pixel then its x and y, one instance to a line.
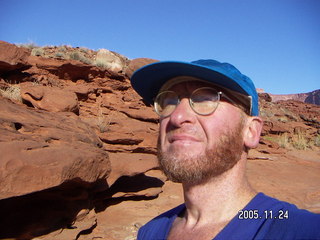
pixel 218 200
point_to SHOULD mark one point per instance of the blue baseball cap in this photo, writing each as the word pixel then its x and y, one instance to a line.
pixel 148 80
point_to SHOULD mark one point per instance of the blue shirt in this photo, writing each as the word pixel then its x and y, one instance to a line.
pixel 263 218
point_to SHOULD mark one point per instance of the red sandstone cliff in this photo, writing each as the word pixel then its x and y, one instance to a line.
pixel 311 97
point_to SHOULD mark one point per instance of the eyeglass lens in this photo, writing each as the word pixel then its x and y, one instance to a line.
pixel 203 101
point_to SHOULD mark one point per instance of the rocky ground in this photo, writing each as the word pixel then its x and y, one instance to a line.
pixel 78 147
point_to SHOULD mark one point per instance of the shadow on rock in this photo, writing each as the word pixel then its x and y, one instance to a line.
pixel 44 212
pixel 135 188
pixel 40 213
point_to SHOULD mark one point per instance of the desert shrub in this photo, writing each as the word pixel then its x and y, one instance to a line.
pixel 37 51
pixel 85 60
pixel 12 92
pixel 317 141
pixel 85 50
pixel 79 57
pixel 60 55
pixel 36 82
pixel 284 141
pixel 28 45
pixel 62 49
pixel 265 112
pixel 75 56
pixel 269 138
pixel 103 122
pixel 102 63
pixel 299 141
pixel 283 119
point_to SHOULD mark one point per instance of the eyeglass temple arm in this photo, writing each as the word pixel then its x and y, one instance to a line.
pixel 229 99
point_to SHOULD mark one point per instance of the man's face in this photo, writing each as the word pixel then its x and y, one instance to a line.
pixel 192 148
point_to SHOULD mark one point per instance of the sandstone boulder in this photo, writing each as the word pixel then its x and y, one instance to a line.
pixel 40 150
pixel 109 60
pixel 265 96
pixel 52 99
pixel 138 63
pixel 12 57
pixel 50 162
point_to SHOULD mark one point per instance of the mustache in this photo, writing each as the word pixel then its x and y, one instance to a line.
pixel 188 130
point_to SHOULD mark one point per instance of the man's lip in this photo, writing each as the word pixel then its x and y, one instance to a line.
pixel 182 137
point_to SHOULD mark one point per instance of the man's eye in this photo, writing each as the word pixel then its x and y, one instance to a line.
pixel 203 98
pixel 169 101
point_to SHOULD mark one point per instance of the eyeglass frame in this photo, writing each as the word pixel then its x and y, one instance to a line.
pixel 220 95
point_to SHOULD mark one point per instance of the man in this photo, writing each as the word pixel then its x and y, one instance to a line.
pixel 208 122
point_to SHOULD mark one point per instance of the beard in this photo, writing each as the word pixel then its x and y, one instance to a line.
pixel 226 152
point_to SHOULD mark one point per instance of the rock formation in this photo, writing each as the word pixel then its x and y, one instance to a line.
pixel 310 97
pixel 76 134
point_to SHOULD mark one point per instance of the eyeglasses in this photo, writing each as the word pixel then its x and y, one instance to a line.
pixel 203 101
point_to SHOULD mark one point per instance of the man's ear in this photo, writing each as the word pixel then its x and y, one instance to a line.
pixel 252 131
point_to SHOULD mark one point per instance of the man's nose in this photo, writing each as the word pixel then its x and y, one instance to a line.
pixel 183 113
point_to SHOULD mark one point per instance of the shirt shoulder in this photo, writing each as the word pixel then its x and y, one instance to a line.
pixel 284 220
pixel 265 217
pixel 159 227
pixel 298 224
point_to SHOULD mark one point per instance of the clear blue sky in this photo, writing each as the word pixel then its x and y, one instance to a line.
pixel 275 42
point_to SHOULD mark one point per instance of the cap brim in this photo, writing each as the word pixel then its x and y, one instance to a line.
pixel 148 80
